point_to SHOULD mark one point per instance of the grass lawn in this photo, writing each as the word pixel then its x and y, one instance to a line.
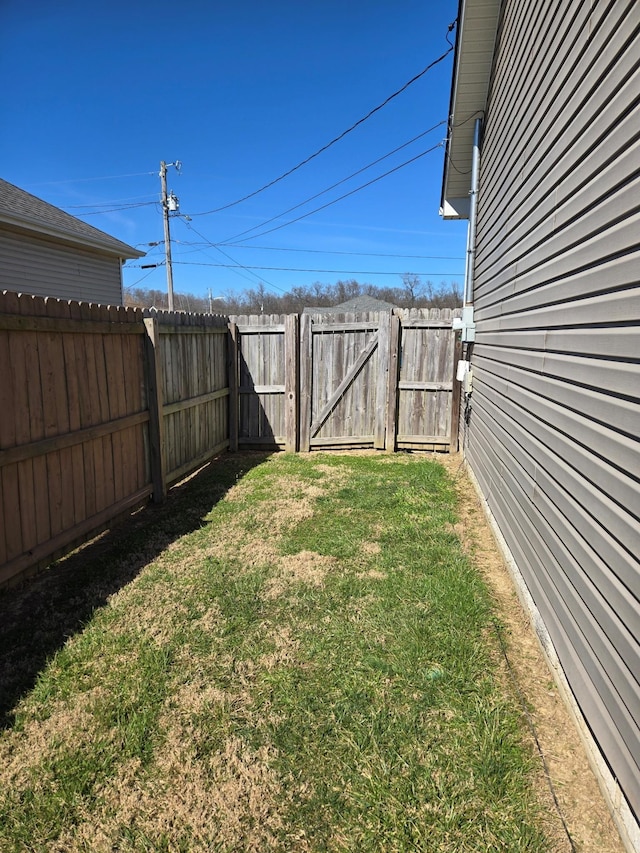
pixel 302 660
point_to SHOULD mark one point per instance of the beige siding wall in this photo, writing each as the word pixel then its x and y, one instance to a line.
pixel 44 268
pixel 554 431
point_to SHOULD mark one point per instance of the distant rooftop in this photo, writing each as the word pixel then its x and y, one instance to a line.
pixel 356 305
pixel 23 212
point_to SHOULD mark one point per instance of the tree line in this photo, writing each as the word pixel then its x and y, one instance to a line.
pixel 412 293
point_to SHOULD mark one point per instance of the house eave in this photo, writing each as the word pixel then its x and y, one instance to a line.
pixel 475 41
pixel 36 228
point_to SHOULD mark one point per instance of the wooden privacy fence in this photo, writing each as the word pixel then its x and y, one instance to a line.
pixel 100 408
pixel 382 380
pixel 103 407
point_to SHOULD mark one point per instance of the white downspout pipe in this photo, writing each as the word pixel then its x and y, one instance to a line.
pixel 468 327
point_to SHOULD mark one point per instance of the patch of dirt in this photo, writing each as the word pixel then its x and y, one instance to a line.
pixel 580 801
pixel 372 574
pixel 303 567
pixel 229 801
pixel 284 653
pixel 134 614
pixel 43 738
pixel 336 475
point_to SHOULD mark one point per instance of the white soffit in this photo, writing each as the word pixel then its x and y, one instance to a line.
pixel 477 27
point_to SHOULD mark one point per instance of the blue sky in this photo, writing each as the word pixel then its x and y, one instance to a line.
pixel 96 94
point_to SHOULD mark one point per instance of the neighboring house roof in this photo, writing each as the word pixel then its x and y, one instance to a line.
pixel 23 212
pixel 475 40
pixel 357 304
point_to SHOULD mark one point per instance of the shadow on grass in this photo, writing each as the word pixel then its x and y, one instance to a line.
pixel 38 617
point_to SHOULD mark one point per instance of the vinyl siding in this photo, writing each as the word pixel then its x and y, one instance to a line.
pixel 553 436
pixel 46 268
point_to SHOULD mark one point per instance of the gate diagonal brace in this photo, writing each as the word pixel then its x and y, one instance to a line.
pixel 330 405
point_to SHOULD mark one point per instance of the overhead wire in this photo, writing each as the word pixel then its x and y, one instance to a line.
pixel 146 275
pixel 235 262
pixel 340 182
pixel 334 252
pixel 332 142
pixel 229 240
pixel 116 209
pixel 300 269
pixel 88 180
pixel 108 203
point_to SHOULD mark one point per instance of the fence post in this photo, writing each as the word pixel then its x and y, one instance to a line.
pixel 306 382
pixel 234 395
pixel 291 419
pixel 455 394
pixel 153 372
pixel 382 384
pixel 393 377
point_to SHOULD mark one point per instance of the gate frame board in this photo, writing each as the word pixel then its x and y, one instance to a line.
pixel 392 387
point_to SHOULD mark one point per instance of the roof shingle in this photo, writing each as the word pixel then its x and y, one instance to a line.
pixel 26 212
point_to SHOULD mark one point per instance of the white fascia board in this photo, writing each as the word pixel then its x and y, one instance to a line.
pixel 475 41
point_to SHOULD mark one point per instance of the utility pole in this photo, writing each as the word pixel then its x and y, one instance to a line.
pixel 169 203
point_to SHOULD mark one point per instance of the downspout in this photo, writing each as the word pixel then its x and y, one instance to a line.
pixel 467 307
pixel 466 323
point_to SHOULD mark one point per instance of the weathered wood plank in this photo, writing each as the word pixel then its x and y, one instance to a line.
pixel 291 347
pixel 8 395
pixel 423 439
pixel 193 464
pixel 60 442
pixel 455 397
pixel 27 505
pixel 234 402
pixel 392 389
pixel 155 383
pixel 56 325
pixel 68 539
pixel 425 386
pixel 382 382
pixel 418 323
pixel 182 405
pixel 262 389
pixel 306 382
pixel 344 384
pixel 260 328
pixel 349 326
pixel 344 440
pixel 10 516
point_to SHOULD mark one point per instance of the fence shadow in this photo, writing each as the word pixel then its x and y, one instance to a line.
pixel 38 617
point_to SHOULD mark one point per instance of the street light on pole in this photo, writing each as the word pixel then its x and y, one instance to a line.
pixel 211 298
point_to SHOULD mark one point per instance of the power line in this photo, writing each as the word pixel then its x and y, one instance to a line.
pixel 236 263
pixel 86 180
pixel 332 252
pixel 329 144
pixel 342 181
pixel 299 269
pixel 228 240
pixel 106 203
pixel 146 275
pixel 116 209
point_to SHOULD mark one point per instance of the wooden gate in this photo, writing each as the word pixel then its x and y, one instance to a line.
pixel 344 380
pixel 383 380
pixel 266 381
pixel 428 393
